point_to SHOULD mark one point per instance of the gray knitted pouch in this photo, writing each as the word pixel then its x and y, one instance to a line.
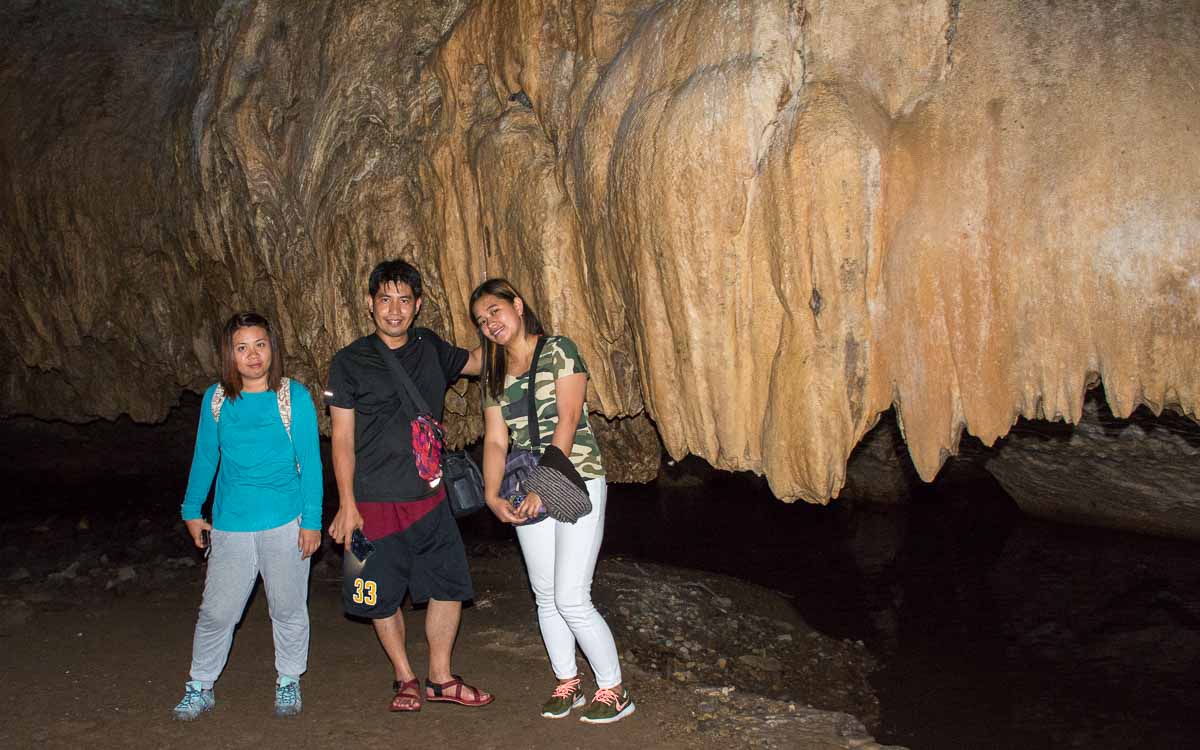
pixel 563 499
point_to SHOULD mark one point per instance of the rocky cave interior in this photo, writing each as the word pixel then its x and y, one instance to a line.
pixel 914 261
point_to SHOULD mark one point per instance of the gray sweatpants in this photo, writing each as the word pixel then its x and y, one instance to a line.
pixel 236 560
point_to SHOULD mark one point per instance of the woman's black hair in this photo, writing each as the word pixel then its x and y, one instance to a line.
pixel 494 361
pixel 231 379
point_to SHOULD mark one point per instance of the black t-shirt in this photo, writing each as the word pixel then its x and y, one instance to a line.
pixel 359 379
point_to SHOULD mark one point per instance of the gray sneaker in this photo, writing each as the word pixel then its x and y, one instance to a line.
pixel 287 697
pixel 195 703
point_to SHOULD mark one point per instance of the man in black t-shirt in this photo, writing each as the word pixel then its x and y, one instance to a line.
pixel 417 549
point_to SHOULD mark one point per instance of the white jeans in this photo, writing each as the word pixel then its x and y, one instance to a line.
pixel 560 559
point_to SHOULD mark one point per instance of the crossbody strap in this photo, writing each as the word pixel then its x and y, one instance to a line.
pixel 535 436
pixel 401 376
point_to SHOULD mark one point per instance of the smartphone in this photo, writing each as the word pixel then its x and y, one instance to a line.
pixel 516 501
pixel 206 541
pixel 360 545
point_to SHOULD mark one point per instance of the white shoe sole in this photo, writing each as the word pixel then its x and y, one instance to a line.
pixel 628 711
pixel 579 702
pixel 191 717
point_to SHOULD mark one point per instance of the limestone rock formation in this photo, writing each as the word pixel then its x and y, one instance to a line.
pixel 765 221
pixel 879 470
pixel 1140 474
pixel 779 219
pixel 103 311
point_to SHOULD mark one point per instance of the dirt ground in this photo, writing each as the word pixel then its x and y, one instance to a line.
pixel 100 666
pixel 99 588
pixel 106 677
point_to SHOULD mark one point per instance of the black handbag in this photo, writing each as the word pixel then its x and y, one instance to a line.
pixel 462 478
pixel 464 483
pixel 520 463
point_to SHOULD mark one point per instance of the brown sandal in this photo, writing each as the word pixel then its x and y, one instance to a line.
pixel 407 697
pixel 439 693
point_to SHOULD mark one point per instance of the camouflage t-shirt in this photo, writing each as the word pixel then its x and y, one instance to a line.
pixel 559 358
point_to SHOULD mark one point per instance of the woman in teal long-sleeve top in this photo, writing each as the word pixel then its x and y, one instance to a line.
pixel 258 437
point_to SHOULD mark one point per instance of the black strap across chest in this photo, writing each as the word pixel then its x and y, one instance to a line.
pixel 401 375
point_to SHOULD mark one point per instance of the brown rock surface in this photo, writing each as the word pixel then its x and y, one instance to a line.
pixel 765 222
pixel 1139 474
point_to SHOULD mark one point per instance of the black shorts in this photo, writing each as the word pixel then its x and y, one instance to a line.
pixel 426 560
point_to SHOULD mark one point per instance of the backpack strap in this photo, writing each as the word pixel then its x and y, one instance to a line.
pixel 218 400
pixel 284 397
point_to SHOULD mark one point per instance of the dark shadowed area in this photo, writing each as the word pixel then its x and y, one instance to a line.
pixel 951 620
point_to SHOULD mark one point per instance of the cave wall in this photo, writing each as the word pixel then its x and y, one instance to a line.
pixel 101 311
pixel 765 222
pixel 806 213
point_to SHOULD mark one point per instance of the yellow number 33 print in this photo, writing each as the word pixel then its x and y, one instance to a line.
pixel 364 592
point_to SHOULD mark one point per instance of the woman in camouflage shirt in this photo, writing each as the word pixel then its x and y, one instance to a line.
pixel 559 556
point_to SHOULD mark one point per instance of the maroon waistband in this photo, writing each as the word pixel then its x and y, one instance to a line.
pixel 383 519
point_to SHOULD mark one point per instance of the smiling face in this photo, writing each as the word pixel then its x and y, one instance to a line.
pixel 499 320
pixel 393 308
pixel 252 353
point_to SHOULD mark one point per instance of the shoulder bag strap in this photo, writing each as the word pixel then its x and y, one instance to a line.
pixel 401 376
pixel 535 437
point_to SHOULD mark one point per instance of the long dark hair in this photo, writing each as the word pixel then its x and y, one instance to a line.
pixel 231 379
pixel 494 361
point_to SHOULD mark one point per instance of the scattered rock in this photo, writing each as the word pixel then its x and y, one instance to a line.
pixel 124 575
pixel 765 663
pixel 68 573
pixel 690 627
pixel 754 722
pixel 14 614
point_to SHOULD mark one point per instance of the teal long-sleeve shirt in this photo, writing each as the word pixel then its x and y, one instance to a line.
pixel 253 460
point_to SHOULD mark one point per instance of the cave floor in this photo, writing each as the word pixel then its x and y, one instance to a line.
pixel 99 662
pixel 106 675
